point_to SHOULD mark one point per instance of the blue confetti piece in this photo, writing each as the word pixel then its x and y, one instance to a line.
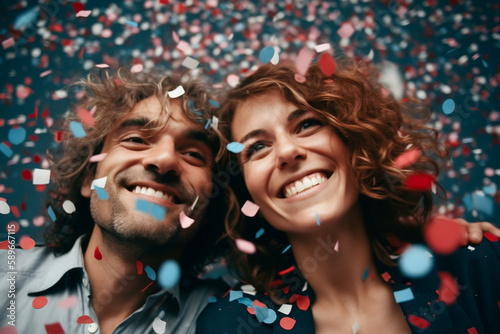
pixel 286 248
pixel 467 200
pixel 483 203
pixel 235 147
pixel 365 274
pixel 259 233
pixel 214 103
pixel 51 213
pixel 158 211
pixel 26 18
pixel 17 136
pixel 245 301
pixel 77 129
pixel 317 219
pixel 264 314
pixel 150 272
pixel 448 106
pixel 101 193
pixel 151 209
pixel 266 54
pixel 235 294
pixel 6 150
pixel 132 23
pixel 211 299
pixel 485 64
pixel 208 123
pixel 403 295
pixel 415 261
pixel 169 274
pixel 490 190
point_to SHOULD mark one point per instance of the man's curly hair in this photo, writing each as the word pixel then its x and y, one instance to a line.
pixel 375 128
pixel 112 97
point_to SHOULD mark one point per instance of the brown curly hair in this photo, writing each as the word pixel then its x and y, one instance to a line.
pixel 375 128
pixel 113 96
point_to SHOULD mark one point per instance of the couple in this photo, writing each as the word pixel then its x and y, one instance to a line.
pixel 318 160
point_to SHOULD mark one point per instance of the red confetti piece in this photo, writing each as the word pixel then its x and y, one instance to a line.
pixel 448 288
pixel 255 303
pixel 326 64
pixel 26 242
pixel 84 319
pixel 419 182
pixel 78 6
pixel 39 302
pixel 286 271
pixel 85 117
pixel 80 55
pixel 40 187
pixel 139 266
pixel 147 286
pixel 472 330
pixel 97 253
pixel 35 114
pixel 27 175
pixel 303 303
pixel 54 328
pixel 444 235
pixel 418 322
pixel 386 276
pixel 15 211
pixel 408 158
pixel 490 237
pixel 4 244
pixel 287 323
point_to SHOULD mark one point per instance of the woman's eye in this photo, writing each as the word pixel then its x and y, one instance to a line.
pixel 310 122
pixel 255 147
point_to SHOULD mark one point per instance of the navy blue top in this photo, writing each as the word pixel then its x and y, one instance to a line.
pixel 477 272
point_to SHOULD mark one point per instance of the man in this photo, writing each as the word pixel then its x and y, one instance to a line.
pixel 139 171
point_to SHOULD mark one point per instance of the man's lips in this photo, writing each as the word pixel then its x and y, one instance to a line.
pixel 304 183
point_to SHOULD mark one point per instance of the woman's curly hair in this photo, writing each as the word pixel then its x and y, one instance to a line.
pixel 112 97
pixel 375 128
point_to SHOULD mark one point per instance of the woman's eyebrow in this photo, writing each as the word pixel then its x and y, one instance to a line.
pixel 295 114
pixel 251 134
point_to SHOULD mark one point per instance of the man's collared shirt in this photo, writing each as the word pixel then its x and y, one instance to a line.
pixel 51 292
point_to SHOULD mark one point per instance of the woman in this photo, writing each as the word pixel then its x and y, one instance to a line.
pixel 320 160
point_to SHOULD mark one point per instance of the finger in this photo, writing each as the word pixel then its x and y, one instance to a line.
pixel 489 227
pixel 475 233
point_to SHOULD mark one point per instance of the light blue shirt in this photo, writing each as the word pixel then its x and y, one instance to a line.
pixel 63 281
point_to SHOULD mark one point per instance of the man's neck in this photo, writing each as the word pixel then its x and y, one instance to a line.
pixel 117 288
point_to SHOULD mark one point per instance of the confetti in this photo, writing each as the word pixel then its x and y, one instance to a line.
pixel 444 235
pixel 448 106
pixel 101 193
pixel 416 261
pixel 418 321
pixel 317 219
pixel 54 328
pixel 287 323
pixel 249 209
pixel 17 136
pixel 68 207
pixel 472 330
pixel 235 294
pixel 177 92
pixel 214 103
pixel 365 274
pixel 84 13
pixel 97 253
pixel 77 129
pixel 235 147
pixel 322 47
pixel 326 64
pixel 6 150
pixel 26 242
pixel 346 30
pixel 407 158
pixel 139 266
pixel 169 274
pixel 101 183
pixel 159 326
pixel 285 309
pixel 9 42
pixel 190 63
pixel 490 237
pixel 98 157
pixel 151 209
pixel 448 288
pixel 402 296
pixel 266 54
pixel 84 319
pixel 265 314
pixel 137 68
pixel 86 117
pixel 419 182
pixel 51 213
pixel 185 220
pixel 150 273
pixel 68 302
pixel 41 176
pixel 245 246
pixel 355 328
pixel 39 302
pixel 102 65
pixel 259 233
pixel 4 208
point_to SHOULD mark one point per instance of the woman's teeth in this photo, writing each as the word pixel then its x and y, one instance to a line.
pixel 152 192
pixel 304 184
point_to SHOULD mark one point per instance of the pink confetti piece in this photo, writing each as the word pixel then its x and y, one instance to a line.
pixel 245 246
pixel 98 157
pixel 137 68
pixel 38 221
pixel 408 158
pixel 39 302
pixel 85 116
pixel 250 209
pixel 84 319
pixel 84 13
pixel 185 220
pixel 9 42
pixel 97 253
pixel 299 78
pixel 68 302
pixel 304 59
pixel 322 47
pixel 45 73
pixel 26 242
pixel 102 65
pixel 346 30
pixel 184 47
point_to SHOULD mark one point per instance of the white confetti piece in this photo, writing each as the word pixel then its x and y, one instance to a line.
pixel 101 183
pixel 250 209
pixel 190 63
pixel 159 326
pixel 179 91
pixel 355 328
pixel 285 309
pixel 41 176
pixel 102 65
pixel 322 47
pixel 4 208
pixel 68 206
pixel 249 289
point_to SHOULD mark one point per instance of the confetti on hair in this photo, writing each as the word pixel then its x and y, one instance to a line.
pixel 84 319
pixel 407 158
pixel 326 64
pixel 214 103
pixel 266 54
pixel 139 266
pixel 51 213
pixel 419 182
pixel 245 246
pixel 97 253
pixel 235 147
pixel 85 116
pixel 287 270
pixel 259 233
pixel 169 274
pixel 185 220
pixel 250 209
pixel 77 129
pixel 418 321
pixel 444 235
pixel 39 302
pixel 177 92
pixel 26 242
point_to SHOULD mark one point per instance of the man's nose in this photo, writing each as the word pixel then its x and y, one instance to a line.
pixel 288 152
pixel 163 157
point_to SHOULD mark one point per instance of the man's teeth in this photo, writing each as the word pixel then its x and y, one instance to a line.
pixel 152 192
pixel 304 184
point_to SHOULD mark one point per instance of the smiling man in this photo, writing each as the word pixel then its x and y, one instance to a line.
pixel 139 172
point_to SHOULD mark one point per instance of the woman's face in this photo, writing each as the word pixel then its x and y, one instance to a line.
pixel 294 164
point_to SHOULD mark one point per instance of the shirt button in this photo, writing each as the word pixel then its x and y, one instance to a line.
pixel 92 328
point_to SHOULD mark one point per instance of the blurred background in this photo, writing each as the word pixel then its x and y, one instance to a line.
pixel 445 52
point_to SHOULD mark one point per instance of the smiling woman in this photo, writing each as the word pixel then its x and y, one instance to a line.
pixel 322 159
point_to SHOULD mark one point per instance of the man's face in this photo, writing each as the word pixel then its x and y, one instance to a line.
pixel 167 166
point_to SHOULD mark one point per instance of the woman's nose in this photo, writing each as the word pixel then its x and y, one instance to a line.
pixel 288 151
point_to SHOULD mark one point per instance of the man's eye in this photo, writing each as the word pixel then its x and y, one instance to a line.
pixel 197 155
pixel 136 140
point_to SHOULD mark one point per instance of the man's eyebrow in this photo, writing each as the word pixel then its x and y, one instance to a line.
pixel 134 122
pixel 198 136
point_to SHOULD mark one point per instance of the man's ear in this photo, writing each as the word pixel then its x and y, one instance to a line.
pixel 87 182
